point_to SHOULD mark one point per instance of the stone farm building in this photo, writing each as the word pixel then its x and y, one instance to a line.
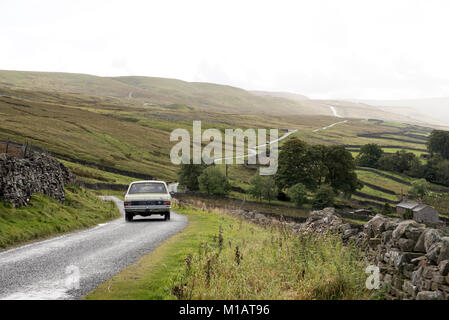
pixel 417 211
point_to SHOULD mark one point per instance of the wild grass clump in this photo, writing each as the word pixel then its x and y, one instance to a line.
pixel 244 261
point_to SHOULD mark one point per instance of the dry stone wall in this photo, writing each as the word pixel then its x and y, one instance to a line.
pixel 413 259
pixel 37 173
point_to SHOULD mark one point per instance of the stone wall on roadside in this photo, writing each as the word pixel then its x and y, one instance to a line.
pixel 413 259
pixel 20 178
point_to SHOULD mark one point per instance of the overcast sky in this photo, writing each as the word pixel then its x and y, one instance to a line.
pixel 324 49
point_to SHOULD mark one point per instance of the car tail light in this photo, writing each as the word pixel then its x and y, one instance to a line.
pixel 166 203
pixel 127 203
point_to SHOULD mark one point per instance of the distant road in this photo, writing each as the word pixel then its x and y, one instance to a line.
pixel 334 111
pixel 253 151
pixel 330 126
pixel 40 270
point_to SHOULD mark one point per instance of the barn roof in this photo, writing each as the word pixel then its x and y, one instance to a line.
pixel 408 205
pixel 415 206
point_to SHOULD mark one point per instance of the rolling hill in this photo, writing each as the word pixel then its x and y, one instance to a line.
pixel 149 92
pixel 436 107
pixel 146 91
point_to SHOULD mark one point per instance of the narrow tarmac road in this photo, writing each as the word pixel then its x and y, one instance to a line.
pixel 52 269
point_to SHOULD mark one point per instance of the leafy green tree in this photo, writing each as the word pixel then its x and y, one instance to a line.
pixel 269 188
pixel 298 163
pixel 417 169
pixel 213 181
pixel 188 175
pixel 420 187
pixel 263 187
pixel 369 155
pixel 387 162
pixel 386 210
pixel 298 194
pixel 439 143
pixel 340 168
pixel 256 186
pixel 323 198
pixel 400 162
pixel 437 170
pixel 315 165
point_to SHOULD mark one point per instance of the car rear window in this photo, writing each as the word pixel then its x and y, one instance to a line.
pixel 147 187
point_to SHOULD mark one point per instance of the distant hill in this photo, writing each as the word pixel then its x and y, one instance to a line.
pixel 349 109
pixel 147 91
pixel 160 91
pixel 285 95
pixel 436 108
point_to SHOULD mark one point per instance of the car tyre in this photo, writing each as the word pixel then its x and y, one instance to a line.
pixel 128 217
pixel 167 216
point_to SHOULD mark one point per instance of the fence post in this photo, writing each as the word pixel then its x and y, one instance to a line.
pixel 7 145
pixel 25 146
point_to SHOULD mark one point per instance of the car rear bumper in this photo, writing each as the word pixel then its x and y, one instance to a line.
pixel 147 209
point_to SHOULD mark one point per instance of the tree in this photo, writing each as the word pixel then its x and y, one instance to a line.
pixel 314 165
pixel 420 187
pixel 297 194
pixel 298 163
pixel 439 143
pixel 188 175
pixel 437 170
pixel 213 181
pixel 269 188
pixel 400 162
pixel 369 155
pixel 324 197
pixel 263 187
pixel 386 210
pixel 417 169
pixel 256 186
pixel 340 170
pixel 386 162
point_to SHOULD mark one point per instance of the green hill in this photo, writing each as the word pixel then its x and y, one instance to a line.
pixel 145 91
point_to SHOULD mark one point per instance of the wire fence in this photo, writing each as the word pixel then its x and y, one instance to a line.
pixel 15 149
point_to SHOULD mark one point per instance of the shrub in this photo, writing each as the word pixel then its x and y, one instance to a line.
pixel 297 194
pixel 188 175
pixel 213 181
pixel 386 210
pixel 323 198
pixel 255 189
pixel 369 155
pixel 420 187
pixel 269 189
pixel 263 188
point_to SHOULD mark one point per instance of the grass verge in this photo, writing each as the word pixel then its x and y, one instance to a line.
pixel 46 217
pixel 221 257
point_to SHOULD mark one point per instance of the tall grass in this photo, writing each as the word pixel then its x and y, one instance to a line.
pixel 243 261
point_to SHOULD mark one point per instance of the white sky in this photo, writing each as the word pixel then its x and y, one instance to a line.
pixel 324 49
